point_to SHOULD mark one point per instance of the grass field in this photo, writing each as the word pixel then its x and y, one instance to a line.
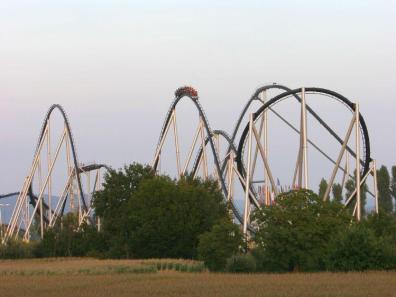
pixel 89 277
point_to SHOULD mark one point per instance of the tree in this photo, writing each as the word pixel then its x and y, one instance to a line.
pixel 359 249
pixel 241 263
pixel 337 192
pixel 350 187
pixel 384 192
pixel 166 217
pixel 111 205
pixel 322 188
pixel 294 233
pixel 68 239
pixel 219 244
pixel 383 225
pixel 393 186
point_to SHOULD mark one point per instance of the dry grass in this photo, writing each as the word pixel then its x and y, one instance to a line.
pixel 66 280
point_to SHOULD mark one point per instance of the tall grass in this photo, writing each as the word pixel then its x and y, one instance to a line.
pixel 122 278
pixel 86 266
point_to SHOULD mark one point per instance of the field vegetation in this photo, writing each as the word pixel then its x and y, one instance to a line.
pixel 91 277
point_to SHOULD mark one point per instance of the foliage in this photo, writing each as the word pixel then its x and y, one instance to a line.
pixel 337 192
pixel 149 216
pixel 359 249
pixel 294 233
pixel 322 188
pixel 66 239
pixel 393 185
pixel 384 192
pixel 241 263
pixel 15 249
pixel 383 225
pixel 111 205
pixel 166 217
pixel 218 244
pixel 350 187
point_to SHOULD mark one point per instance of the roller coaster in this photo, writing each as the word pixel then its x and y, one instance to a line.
pixel 248 166
pixel 247 174
pixel 46 208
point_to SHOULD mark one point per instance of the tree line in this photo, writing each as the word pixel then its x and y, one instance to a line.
pixel 386 190
pixel 144 215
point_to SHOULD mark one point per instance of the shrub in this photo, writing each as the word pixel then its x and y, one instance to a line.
pixel 241 263
pixel 260 258
pixel 220 243
pixel 294 232
pixel 359 249
pixel 15 249
pixel 166 217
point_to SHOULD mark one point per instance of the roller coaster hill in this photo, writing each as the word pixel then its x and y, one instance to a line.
pixel 294 135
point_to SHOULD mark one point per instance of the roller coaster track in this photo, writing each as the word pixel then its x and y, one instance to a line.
pixel 233 162
pixel 255 97
pixel 209 140
pixel 269 104
pixel 42 209
pixel 221 165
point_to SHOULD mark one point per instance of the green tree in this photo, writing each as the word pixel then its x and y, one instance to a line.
pixel 111 205
pixel 241 263
pixel 384 192
pixel 322 188
pixel 166 217
pixel 359 249
pixel 393 186
pixel 294 233
pixel 337 192
pixel 350 187
pixel 218 244
pixel 383 225
pixel 68 239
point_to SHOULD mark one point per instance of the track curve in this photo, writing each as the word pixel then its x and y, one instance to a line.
pixel 364 132
pixel 72 145
pixel 250 101
pixel 201 112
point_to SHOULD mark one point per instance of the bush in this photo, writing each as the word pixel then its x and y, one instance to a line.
pixel 358 249
pixel 383 225
pixel 166 217
pixel 241 263
pixel 15 249
pixel 260 258
pixel 294 233
pixel 220 243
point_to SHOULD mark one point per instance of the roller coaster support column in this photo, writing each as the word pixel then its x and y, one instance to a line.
pixel 248 176
pixel 357 130
pixel 204 158
pixel 1 221
pixel 265 139
pixel 50 179
pixel 230 175
pixel 176 136
pixel 375 184
pixel 21 200
pixel 340 155
pixel 40 196
pixel 304 155
pixel 346 171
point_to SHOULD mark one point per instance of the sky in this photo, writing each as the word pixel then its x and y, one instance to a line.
pixel 114 66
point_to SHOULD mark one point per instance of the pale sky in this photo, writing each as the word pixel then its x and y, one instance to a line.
pixel 114 65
